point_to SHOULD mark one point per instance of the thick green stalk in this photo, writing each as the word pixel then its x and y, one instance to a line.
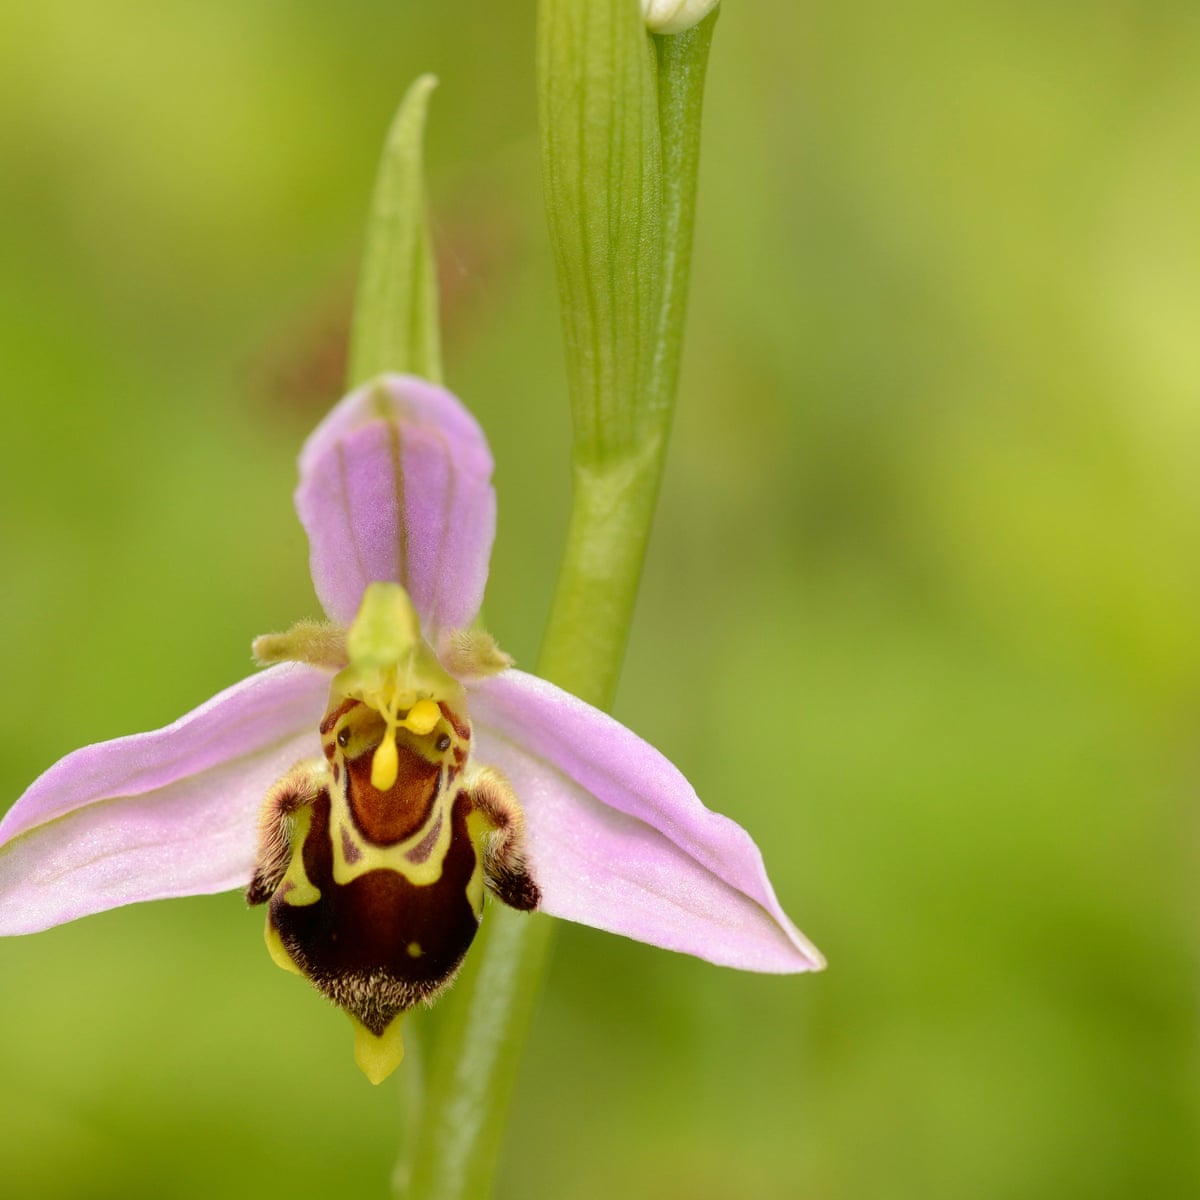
pixel 621 439
pixel 682 66
pixel 612 506
pixel 602 174
pixel 620 126
pixel 481 1032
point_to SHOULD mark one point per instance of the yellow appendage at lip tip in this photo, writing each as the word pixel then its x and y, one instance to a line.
pixel 377 1057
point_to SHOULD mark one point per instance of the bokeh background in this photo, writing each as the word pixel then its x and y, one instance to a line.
pixel 921 608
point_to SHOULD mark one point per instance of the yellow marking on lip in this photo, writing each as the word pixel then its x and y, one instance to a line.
pixel 478 828
pixel 391 858
pixel 301 893
pixel 278 951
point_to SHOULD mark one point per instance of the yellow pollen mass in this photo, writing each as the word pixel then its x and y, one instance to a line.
pixel 385 763
pixel 395 672
pixel 422 717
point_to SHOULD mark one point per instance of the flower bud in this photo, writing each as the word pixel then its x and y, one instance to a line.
pixel 674 16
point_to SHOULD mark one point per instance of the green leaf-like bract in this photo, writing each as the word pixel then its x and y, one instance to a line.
pixel 395 313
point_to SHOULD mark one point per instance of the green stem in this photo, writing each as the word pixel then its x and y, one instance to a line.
pixel 614 493
pixel 682 66
pixel 480 1036
pixel 612 507
pixel 617 467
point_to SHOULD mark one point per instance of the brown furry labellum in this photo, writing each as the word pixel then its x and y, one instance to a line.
pixel 375 894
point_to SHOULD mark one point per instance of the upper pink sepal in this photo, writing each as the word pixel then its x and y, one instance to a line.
pixel 618 839
pixel 167 813
pixel 395 485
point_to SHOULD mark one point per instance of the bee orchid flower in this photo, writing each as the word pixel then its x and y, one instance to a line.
pixel 389 766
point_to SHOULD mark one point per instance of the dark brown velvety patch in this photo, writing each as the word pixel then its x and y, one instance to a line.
pixel 355 942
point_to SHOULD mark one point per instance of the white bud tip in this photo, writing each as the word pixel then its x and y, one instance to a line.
pixel 674 16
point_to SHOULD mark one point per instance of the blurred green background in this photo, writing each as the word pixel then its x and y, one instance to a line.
pixel 932 514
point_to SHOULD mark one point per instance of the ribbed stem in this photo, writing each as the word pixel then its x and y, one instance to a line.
pixel 623 244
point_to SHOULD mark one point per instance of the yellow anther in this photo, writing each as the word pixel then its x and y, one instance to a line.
pixel 385 763
pixel 422 717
